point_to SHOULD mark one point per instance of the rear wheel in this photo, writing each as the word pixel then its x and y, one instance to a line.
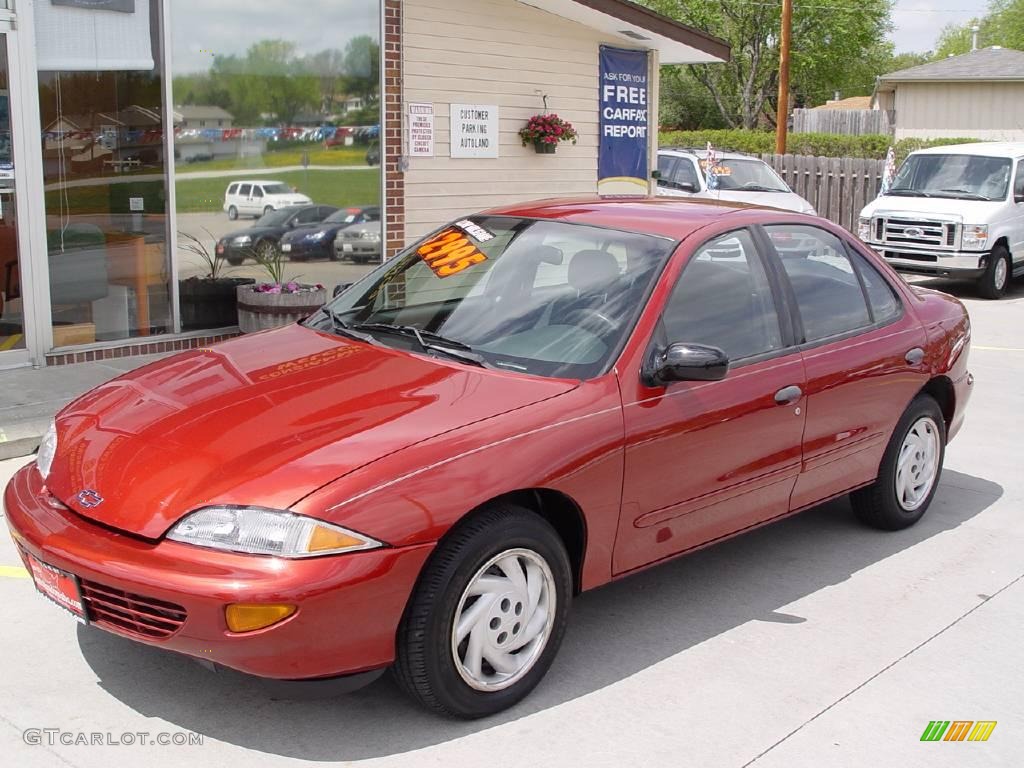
pixel 234 262
pixel 910 470
pixel 265 251
pixel 993 284
pixel 232 213
pixel 268 209
pixel 487 615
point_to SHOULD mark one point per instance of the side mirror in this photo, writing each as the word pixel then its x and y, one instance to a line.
pixel 686 362
pixel 340 288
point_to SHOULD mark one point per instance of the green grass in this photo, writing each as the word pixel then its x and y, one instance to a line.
pixel 357 187
pixel 337 156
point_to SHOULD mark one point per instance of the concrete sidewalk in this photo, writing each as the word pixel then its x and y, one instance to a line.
pixel 30 397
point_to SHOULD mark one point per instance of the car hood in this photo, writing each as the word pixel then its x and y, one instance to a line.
pixel 262 419
pixel 304 232
pixel 289 199
pixel 954 209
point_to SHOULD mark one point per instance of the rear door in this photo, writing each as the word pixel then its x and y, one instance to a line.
pixel 706 459
pixel 256 200
pixel 863 353
pixel 243 201
pixel 1017 236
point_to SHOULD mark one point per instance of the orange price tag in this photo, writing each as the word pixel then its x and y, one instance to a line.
pixel 449 252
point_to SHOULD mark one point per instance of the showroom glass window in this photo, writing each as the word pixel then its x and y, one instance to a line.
pixel 100 96
pixel 272 101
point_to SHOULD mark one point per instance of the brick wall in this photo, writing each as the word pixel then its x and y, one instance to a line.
pixel 394 177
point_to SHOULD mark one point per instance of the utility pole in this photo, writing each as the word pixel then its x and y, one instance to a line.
pixel 782 113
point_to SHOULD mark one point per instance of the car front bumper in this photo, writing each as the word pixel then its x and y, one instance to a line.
pixel 349 606
pixel 358 250
pixel 969 264
pixel 301 250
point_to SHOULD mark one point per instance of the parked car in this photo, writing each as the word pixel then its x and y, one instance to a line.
pixel 953 212
pixel 318 242
pixel 258 198
pixel 360 242
pixel 264 237
pixel 528 403
pixel 741 178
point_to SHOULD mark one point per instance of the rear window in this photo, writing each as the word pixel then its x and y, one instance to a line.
pixel 277 189
pixel 232 189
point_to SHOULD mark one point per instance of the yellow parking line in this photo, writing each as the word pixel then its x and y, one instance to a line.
pixel 998 349
pixel 13 572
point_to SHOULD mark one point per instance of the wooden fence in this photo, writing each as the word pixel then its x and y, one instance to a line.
pixel 837 187
pixel 852 122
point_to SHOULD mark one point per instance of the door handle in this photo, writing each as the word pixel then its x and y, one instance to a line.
pixel 788 395
pixel 914 356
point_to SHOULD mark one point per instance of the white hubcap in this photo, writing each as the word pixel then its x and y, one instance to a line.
pixel 1000 274
pixel 917 464
pixel 504 620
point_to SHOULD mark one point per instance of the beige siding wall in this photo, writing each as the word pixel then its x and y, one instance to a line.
pixel 498 52
pixel 992 111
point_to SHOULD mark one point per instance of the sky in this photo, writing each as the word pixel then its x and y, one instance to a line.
pixel 918 22
pixel 201 29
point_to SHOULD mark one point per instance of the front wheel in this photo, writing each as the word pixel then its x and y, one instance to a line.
pixel 909 474
pixel 993 284
pixel 487 616
pixel 232 213
pixel 268 209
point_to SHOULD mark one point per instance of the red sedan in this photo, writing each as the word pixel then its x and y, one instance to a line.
pixel 528 403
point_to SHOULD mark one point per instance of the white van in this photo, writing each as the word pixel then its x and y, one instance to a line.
pixel 255 198
pixel 955 211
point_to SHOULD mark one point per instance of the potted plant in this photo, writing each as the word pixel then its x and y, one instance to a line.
pixel 545 131
pixel 210 300
pixel 276 302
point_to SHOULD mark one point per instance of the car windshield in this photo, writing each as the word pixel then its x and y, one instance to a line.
pixel 277 189
pixel 967 177
pixel 344 216
pixel 534 296
pixel 739 175
pixel 274 218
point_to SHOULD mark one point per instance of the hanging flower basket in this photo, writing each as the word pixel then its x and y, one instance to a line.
pixel 545 132
pixel 270 305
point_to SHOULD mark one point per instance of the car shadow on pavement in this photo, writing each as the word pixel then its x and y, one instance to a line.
pixel 614 632
pixel 967 289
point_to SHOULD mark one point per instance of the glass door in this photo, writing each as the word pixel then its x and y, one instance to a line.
pixel 13 300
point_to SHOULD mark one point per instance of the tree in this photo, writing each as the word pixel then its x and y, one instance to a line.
pixel 362 66
pixel 1002 24
pixel 834 46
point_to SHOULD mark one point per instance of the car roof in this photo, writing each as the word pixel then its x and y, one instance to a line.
pixel 985 148
pixel 258 181
pixel 702 153
pixel 665 216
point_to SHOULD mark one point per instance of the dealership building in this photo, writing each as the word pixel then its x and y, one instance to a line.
pixel 123 123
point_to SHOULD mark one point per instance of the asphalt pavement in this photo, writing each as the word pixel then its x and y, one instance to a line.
pixel 812 642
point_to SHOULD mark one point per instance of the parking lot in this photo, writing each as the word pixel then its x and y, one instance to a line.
pixel 811 642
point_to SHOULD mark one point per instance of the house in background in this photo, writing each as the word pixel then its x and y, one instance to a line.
pixel 975 95
pixel 203 116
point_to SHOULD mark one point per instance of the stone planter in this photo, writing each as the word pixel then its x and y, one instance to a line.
pixel 209 303
pixel 543 148
pixel 260 311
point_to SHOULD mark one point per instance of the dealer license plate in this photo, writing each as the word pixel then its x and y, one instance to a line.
pixel 286 247
pixel 347 247
pixel 59 586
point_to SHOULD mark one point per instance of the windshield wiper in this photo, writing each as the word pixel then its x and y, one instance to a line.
pixel 431 342
pixel 907 192
pixel 342 328
pixel 755 188
pixel 967 194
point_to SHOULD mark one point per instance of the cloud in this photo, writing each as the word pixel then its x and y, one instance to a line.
pixel 201 29
pixel 918 22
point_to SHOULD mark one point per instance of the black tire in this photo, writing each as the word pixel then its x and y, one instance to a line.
pixel 232 213
pixel 989 285
pixel 425 665
pixel 878 504
pixel 235 262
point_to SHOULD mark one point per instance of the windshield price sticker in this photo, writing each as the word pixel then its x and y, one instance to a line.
pixel 449 252
pixel 477 232
pixel 718 170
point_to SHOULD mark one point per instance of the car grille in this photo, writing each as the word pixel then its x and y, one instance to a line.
pixel 916 232
pixel 130 613
pixel 912 256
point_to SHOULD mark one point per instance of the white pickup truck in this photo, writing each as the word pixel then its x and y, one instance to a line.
pixel 955 211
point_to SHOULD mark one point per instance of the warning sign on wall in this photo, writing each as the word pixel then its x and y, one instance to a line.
pixel 421 130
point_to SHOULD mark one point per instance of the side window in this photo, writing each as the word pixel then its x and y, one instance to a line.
pixel 828 290
pixel 723 298
pixel 1018 180
pixel 257 190
pixel 666 164
pixel 885 305
pixel 232 189
pixel 308 216
pixel 324 211
pixel 245 190
pixel 685 173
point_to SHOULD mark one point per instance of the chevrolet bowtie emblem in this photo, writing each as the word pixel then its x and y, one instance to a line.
pixel 89 498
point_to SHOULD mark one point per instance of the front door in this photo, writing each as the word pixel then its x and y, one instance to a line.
pixel 15 299
pixel 706 459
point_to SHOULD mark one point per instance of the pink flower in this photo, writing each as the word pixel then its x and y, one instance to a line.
pixel 292 287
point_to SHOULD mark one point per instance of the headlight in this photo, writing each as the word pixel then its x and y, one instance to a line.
pixel 975 236
pixel 864 229
pixel 370 235
pixel 47 450
pixel 317 236
pixel 242 240
pixel 258 531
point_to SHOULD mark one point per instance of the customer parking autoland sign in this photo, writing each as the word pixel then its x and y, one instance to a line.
pixel 622 153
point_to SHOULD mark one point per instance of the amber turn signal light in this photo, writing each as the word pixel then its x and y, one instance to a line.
pixel 248 617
